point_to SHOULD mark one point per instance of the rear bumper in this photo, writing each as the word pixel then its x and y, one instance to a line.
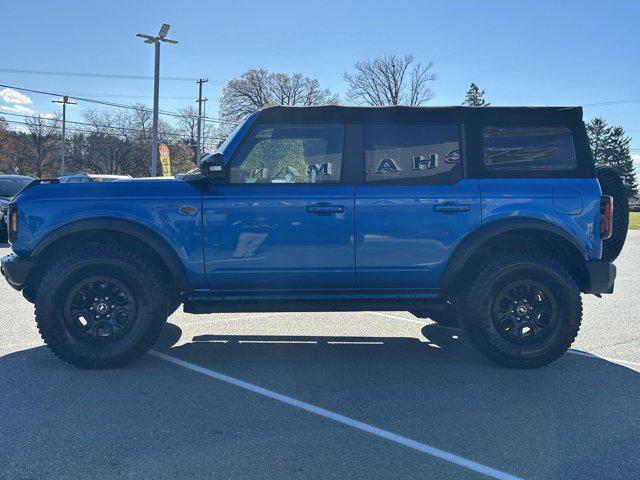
pixel 602 276
pixel 16 269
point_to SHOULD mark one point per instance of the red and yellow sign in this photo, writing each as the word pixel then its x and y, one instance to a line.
pixel 165 160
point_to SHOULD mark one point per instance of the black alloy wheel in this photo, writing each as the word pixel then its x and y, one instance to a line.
pixel 525 312
pixel 99 310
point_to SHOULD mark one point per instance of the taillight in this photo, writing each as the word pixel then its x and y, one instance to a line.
pixel 606 217
pixel 12 222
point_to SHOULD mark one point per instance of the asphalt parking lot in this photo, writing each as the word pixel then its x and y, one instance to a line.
pixel 330 395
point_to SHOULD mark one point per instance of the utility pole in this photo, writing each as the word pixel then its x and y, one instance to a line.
pixel 65 101
pixel 156 40
pixel 201 130
pixel 204 121
pixel 199 146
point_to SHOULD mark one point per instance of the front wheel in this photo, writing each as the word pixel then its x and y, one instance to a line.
pixel 523 311
pixel 100 307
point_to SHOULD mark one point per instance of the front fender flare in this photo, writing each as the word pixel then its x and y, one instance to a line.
pixel 144 234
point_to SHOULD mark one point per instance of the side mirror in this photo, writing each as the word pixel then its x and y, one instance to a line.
pixel 212 166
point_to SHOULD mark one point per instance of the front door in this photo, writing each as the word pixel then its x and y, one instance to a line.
pixel 414 206
pixel 282 221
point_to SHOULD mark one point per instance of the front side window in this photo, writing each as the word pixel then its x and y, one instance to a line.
pixel 528 148
pixel 282 153
pixel 412 153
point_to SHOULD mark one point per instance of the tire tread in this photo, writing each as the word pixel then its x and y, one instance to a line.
pixel 102 251
pixel 477 335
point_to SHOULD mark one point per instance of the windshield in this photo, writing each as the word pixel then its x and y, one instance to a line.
pixel 226 143
pixel 10 186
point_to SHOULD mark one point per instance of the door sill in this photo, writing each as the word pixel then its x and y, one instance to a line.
pixel 213 302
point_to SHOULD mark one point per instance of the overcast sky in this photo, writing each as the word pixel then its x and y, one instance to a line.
pixel 520 52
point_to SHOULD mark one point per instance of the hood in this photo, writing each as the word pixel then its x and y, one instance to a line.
pixel 102 191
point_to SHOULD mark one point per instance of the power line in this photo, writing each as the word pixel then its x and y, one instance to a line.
pixel 612 102
pixel 93 75
pixel 87 124
pixel 120 95
pixel 110 104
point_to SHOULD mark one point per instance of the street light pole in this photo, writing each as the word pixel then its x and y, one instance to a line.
pixel 65 100
pixel 156 40
pixel 154 127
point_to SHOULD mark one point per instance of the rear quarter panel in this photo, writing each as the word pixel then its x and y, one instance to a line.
pixel 572 204
pixel 152 204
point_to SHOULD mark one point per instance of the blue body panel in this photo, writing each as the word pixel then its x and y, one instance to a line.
pixel 263 237
pixel 405 234
pixel 152 204
pixel 572 204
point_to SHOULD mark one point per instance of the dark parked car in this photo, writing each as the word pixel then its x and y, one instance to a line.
pixel 90 177
pixel 10 185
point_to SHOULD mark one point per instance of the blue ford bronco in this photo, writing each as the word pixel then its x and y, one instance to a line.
pixel 491 218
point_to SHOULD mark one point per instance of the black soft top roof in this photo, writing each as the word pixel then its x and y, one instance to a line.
pixel 455 114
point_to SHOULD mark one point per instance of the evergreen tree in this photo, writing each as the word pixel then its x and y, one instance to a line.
pixel 475 97
pixel 610 147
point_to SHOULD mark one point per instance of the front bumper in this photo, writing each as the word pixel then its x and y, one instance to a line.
pixel 602 276
pixel 16 269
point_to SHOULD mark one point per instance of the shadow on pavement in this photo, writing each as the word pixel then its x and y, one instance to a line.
pixel 577 418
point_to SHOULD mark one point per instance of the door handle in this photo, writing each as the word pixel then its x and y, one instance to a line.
pixel 451 208
pixel 325 208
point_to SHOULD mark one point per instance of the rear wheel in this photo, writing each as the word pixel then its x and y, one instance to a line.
pixel 523 311
pixel 611 184
pixel 100 307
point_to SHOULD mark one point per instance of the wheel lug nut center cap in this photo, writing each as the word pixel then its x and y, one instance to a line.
pixel 102 308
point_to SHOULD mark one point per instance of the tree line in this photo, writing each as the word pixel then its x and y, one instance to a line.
pixel 119 143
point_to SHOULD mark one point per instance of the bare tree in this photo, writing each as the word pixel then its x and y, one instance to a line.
pixel 245 94
pixel 110 143
pixel 7 148
pixel 298 90
pixel 390 80
pixel 188 125
pixel 187 129
pixel 257 88
pixel 37 149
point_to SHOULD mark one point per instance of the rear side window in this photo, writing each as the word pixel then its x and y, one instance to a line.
pixel 283 153
pixel 528 149
pixel 410 153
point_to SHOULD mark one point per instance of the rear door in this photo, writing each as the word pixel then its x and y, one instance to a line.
pixel 283 221
pixel 414 205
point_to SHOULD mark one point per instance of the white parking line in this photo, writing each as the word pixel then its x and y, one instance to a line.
pixel 609 359
pixel 336 417
pixel 397 317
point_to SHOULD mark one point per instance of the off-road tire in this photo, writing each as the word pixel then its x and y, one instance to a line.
pixel 478 325
pixel 611 184
pixel 127 267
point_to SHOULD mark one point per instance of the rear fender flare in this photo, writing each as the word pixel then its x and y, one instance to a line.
pixel 470 244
